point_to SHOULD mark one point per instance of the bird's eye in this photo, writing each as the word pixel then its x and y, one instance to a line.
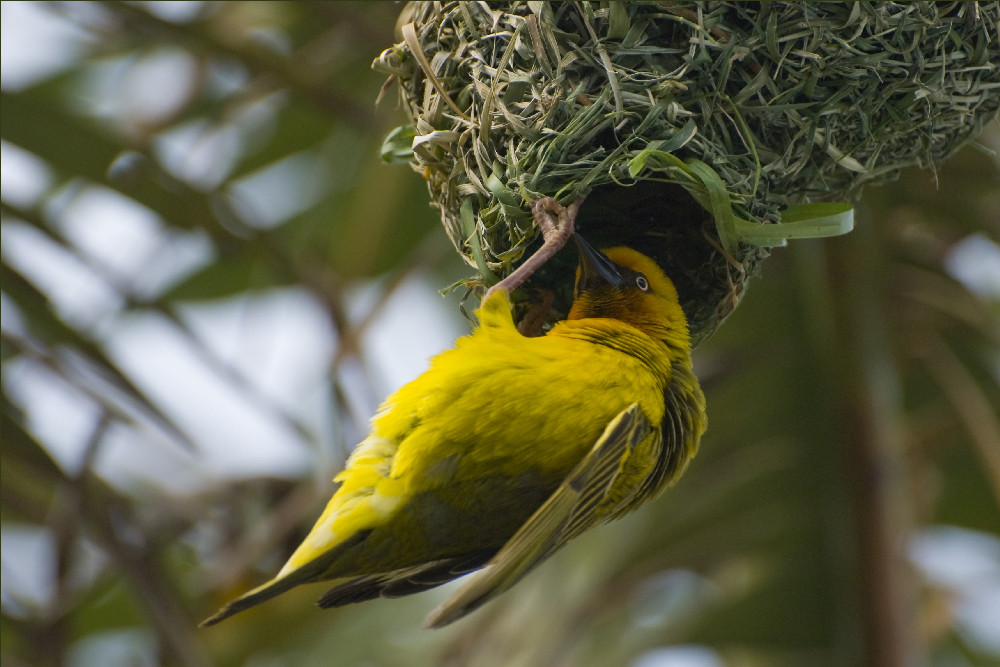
pixel 642 283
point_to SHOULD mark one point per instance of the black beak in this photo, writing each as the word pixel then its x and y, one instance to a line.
pixel 595 268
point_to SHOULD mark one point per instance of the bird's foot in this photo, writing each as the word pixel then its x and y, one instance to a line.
pixel 557 223
pixel 534 319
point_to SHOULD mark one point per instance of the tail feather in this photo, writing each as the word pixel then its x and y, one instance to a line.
pixel 323 568
pixel 251 598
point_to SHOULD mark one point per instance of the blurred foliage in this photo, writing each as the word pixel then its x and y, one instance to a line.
pixel 852 398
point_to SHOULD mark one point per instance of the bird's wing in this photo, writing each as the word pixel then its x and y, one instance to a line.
pixel 569 511
pixel 406 581
pixel 681 429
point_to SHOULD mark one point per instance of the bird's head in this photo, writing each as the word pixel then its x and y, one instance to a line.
pixel 623 284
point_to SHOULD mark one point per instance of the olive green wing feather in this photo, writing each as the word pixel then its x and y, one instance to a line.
pixel 406 581
pixel 569 511
pixel 681 429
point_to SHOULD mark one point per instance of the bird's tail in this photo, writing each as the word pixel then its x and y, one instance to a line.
pixel 264 592
pixel 322 568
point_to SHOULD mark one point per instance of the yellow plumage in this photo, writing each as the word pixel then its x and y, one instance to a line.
pixel 509 446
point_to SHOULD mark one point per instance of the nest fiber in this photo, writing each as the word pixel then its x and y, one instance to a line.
pixel 690 126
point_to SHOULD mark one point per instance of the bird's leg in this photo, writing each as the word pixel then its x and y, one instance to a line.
pixel 531 324
pixel 556 223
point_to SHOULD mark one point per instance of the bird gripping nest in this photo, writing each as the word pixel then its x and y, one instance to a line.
pixel 702 133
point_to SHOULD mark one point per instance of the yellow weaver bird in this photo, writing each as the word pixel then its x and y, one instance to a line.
pixel 510 446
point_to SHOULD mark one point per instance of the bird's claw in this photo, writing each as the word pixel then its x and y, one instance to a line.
pixel 557 224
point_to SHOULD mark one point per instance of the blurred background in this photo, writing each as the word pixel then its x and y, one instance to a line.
pixel 210 280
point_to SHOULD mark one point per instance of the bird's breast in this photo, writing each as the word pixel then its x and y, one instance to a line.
pixel 510 403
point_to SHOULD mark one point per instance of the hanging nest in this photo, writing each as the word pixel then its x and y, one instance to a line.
pixel 697 131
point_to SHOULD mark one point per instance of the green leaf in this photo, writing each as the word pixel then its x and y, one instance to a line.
pixel 706 186
pixel 398 146
pixel 469 230
pixel 618 20
pixel 801 221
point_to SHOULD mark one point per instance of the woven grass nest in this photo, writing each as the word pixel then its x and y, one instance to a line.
pixel 702 133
